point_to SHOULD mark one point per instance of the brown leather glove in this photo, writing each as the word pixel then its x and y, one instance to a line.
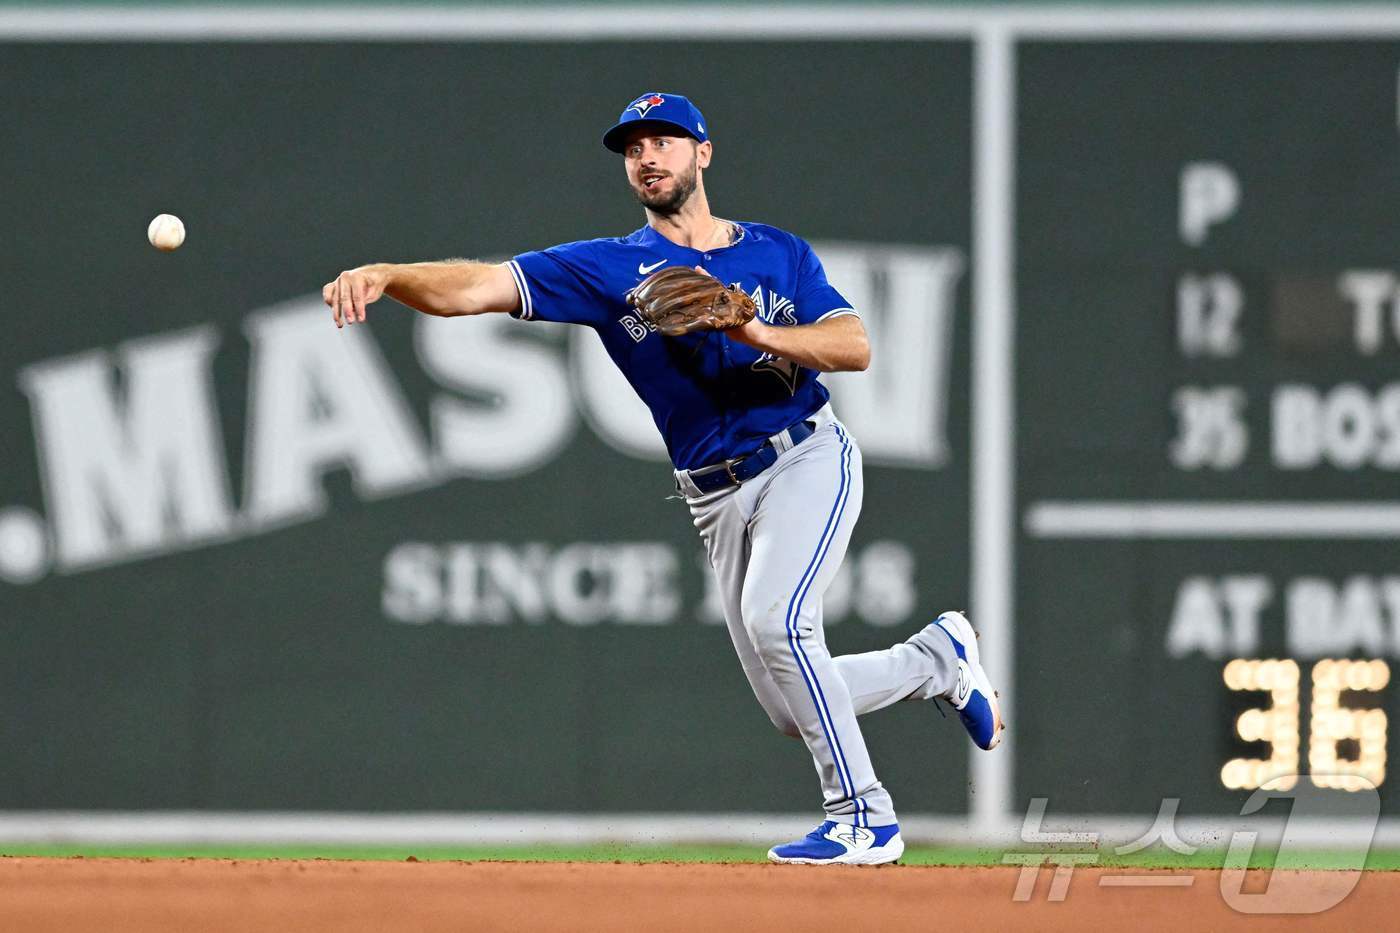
pixel 679 300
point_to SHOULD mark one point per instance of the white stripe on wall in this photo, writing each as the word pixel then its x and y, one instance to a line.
pixel 1150 520
pixel 731 21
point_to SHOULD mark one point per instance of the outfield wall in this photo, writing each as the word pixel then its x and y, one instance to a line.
pixel 1128 281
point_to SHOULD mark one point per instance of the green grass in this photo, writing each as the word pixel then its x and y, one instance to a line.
pixel 1379 860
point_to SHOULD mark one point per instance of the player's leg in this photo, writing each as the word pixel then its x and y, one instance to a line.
pixel 920 668
pixel 805 509
pixel 722 520
pixel 941 661
pixel 923 667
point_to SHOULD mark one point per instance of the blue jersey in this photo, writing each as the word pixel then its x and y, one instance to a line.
pixel 712 398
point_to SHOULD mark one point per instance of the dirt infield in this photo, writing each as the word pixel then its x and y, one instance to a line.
pixel 38 894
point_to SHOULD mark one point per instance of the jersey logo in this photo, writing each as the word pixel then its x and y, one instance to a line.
pixel 772 308
pixel 643 269
pixel 646 102
pixel 786 370
pixel 636 328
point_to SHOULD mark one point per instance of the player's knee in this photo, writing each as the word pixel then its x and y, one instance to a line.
pixel 786 725
pixel 767 631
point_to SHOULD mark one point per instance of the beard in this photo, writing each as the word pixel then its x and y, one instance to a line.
pixel 668 203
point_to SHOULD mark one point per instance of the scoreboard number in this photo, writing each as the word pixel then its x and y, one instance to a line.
pixel 1212 432
pixel 1330 724
pixel 1333 723
pixel 1277 725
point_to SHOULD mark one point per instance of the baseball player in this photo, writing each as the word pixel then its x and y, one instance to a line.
pixel 722 328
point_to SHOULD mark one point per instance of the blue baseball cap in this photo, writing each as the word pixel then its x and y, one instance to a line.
pixel 665 111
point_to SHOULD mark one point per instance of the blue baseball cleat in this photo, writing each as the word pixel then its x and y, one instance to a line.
pixel 835 843
pixel 972 696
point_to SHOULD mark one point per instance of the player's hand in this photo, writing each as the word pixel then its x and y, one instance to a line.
pixel 352 290
pixel 745 333
pixel 750 333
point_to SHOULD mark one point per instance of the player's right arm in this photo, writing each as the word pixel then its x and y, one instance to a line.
pixel 444 289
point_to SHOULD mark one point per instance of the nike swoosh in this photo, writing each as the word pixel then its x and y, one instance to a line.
pixel 645 269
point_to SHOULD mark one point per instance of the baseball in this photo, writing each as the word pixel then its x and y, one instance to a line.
pixel 166 232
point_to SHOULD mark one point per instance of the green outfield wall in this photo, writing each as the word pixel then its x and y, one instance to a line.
pixel 249 562
pixel 429 564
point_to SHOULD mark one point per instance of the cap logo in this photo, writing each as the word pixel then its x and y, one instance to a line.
pixel 646 102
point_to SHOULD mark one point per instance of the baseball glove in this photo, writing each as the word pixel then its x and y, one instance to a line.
pixel 678 300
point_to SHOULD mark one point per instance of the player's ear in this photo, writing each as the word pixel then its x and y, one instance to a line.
pixel 703 153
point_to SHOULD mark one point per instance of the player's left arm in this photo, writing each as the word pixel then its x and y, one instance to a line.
pixel 834 345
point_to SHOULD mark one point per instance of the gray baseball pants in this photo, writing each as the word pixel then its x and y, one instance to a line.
pixel 775 544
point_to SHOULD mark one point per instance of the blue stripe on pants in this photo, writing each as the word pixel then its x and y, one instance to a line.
pixel 814 688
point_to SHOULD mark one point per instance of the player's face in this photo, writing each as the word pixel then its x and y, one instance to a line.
pixel 662 170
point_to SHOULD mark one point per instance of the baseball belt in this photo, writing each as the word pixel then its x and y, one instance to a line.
pixel 739 470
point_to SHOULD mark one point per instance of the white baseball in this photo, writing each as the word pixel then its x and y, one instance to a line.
pixel 166 232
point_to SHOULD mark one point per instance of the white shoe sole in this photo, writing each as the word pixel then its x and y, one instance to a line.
pixel 962 629
pixel 882 855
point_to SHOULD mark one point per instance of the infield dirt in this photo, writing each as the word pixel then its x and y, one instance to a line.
pixel 77 894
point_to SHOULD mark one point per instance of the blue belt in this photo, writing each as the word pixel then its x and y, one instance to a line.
pixel 739 470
